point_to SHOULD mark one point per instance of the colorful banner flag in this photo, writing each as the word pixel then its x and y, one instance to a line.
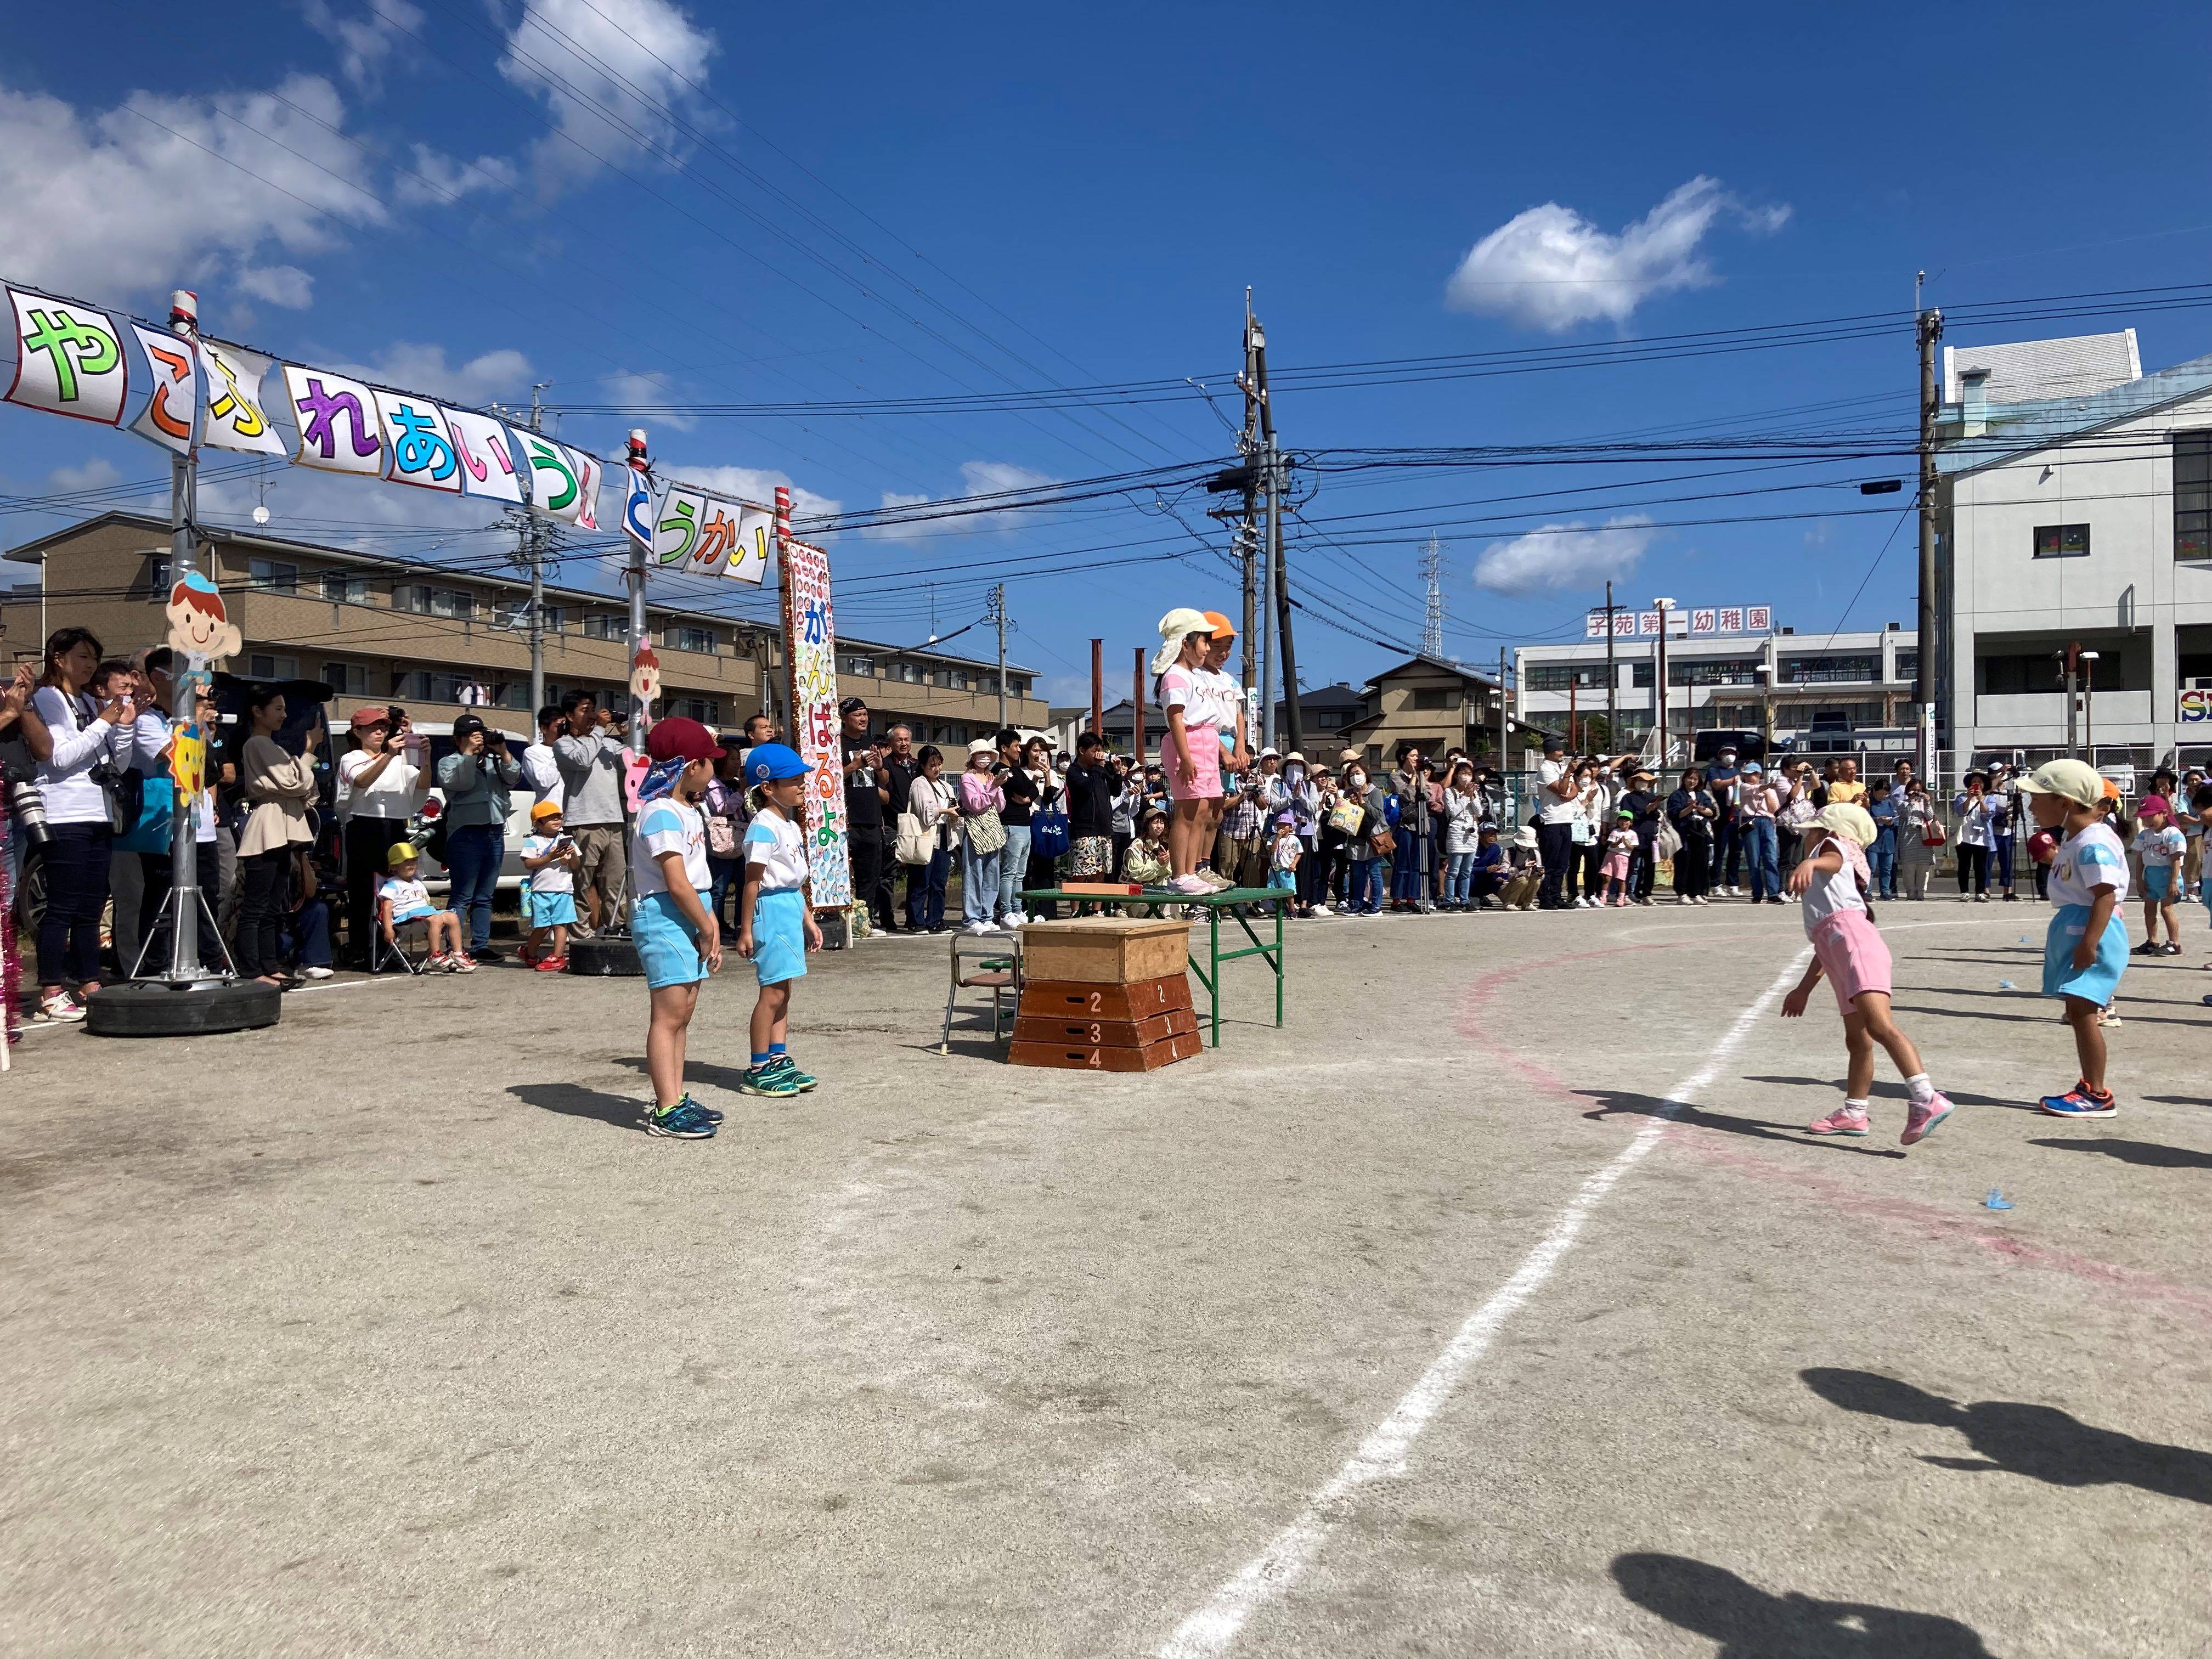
pixel 172 410
pixel 486 452
pixel 555 489
pixel 589 472
pixel 420 449
pixel 756 537
pixel 68 359
pixel 809 644
pixel 676 522
pixel 235 419
pixel 637 507
pixel 337 417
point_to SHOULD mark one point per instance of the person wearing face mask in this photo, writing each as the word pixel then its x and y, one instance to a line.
pixel 1361 815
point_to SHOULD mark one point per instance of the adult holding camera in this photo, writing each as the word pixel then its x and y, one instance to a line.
pixel 591 757
pixel 79 746
pixel 476 777
pixel 15 699
pixel 279 785
pixel 381 784
pixel 156 730
pixel 867 798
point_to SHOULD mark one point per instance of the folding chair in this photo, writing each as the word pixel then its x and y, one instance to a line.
pixel 996 960
pixel 394 949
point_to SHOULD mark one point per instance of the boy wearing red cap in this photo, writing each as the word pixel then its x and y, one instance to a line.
pixel 678 941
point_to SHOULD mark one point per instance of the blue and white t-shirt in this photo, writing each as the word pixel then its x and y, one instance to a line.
pixel 2093 858
pixel 2161 849
pixel 668 826
pixel 774 842
pixel 556 878
pixel 409 899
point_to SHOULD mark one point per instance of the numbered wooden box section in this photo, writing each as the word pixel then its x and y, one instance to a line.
pixel 1069 1000
pixel 1100 1057
pixel 1050 1029
pixel 1105 949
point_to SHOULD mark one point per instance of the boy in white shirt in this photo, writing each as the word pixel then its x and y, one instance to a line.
pixel 678 940
pixel 776 918
pixel 403 899
pixel 2085 950
pixel 549 855
pixel 2160 847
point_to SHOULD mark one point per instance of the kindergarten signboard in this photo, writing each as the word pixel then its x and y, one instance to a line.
pixel 1684 621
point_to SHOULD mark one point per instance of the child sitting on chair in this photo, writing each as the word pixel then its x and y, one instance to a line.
pixel 403 899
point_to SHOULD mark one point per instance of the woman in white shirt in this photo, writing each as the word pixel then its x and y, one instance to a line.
pixel 77 743
pixel 381 784
pixel 936 802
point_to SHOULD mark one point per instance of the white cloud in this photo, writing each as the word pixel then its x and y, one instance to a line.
pixel 127 204
pixel 365 42
pixel 95 474
pixel 1565 556
pixel 504 374
pixel 438 180
pixel 1550 268
pixel 999 477
pixel 280 285
pixel 754 484
pixel 611 71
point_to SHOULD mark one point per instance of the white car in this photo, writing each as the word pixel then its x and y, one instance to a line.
pixel 440 737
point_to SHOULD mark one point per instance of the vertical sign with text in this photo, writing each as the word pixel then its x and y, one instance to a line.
pixel 809 644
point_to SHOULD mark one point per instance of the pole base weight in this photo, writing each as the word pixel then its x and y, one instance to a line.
pixel 605 958
pixel 151 1009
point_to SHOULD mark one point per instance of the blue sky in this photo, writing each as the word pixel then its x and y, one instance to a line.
pixel 432 191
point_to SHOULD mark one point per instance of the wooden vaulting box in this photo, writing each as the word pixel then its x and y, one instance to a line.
pixel 1105 993
pixel 1105 950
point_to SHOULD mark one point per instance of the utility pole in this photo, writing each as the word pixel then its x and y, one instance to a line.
pixel 184 901
pixel 2071 658
pixel 639 709
pixel 1098 686
pixel 533 531
pixel 1503 708
pixel 1929 326
pixel 999 614
pixel 1432 614
pixel 1271 481
pixel 1248 445
pixel 1612 679
pixel 1137 713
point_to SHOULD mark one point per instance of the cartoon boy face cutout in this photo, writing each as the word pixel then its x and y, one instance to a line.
pixel 644 674
pixel 198 625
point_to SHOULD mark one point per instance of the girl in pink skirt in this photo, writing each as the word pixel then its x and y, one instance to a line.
pixel 1833 882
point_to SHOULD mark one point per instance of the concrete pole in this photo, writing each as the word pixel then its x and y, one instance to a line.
pixel 185 967
pixel 639 709
pixel 1098 686
pixel 999 614
pixel 1929 328
pixel 534 550
pixel 1137 713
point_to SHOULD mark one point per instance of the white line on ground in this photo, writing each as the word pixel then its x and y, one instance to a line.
pixel 1213 1629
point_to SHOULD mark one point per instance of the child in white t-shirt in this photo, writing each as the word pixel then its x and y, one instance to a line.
pixel 775 917
pixel 549 899
pixel 2085 950
pixel 402 899
pixel 1619 853
pixel 678 937
pixel 1283 854
pixel 2160 847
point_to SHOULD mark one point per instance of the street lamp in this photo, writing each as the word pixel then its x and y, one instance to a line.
pixel 2088 660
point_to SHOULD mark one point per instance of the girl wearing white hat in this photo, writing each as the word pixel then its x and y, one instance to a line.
pixel 1190 751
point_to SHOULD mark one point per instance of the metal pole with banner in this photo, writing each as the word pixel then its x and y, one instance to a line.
pixel 809 645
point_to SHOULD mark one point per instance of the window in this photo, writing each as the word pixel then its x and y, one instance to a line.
pixel 2063 541
pixel 909 673
pixel 1559 676
pixel 701 640
pixel 604 625
pixel 1712 671
pixel 348 680
pixel 707 711
pixel 272 668
pixel 555 617
pixel 864 667
pixel 515 693
pixel 271 576
pixel 1908 664
pixel 1018 685
pixel 2037 671
pixel 1829 670
pixel 1641 677
pixel 1436 696
pixel 157 579
pixel 345 590
pixel 2192 496
pixel 440 602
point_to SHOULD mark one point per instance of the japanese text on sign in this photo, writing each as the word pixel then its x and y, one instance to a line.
pixel 811 648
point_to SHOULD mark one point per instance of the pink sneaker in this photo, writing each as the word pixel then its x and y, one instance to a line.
pixel 1195 884
pixel 1920 1122
pixel 1620 903
pixel 1841 1122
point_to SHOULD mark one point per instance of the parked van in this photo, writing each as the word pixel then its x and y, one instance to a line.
pixel 439 734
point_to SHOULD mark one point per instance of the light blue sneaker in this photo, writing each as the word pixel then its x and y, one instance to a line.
pixel 770 1079
pixel 789 1068
pixel 685 1120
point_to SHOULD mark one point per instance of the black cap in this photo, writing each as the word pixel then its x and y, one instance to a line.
pixel 468 723
pixel 852 705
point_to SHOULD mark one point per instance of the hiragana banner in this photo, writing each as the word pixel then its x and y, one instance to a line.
pixel 555 489
pixel 756 536
pixel 337 417
pixel 676 519
pixel 486 453
pixel 235 419
pixel 416 439
pixel 809 646
pixel 68 359
pixel 173 406
pixel 589 472
pixel 637 507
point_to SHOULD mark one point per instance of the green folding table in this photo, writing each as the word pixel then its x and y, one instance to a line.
pixel 1229 899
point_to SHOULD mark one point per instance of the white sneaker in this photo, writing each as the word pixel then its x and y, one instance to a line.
pixel 316 973
pixel 1012 919
pixel 1322 910
pixel 978 928
pixel 60 1009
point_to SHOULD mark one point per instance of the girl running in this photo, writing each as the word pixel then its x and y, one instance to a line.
pixel 1833 883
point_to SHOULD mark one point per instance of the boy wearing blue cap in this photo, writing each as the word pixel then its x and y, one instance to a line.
pixel 677 938
pixel 775 920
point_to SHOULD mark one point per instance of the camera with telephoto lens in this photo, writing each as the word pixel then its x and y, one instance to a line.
pixel 29 812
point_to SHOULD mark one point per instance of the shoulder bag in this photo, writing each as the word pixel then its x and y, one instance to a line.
pixel 1798 815
pixel 915 842
pixel 1666 843
pixel 986 832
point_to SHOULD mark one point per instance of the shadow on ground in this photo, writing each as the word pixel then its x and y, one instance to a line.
pixel 574 1100
pixel 1616 1101
pixel 2039 1441
pixel 1896 1091
pixel 1749 1624
pixel 2147 1153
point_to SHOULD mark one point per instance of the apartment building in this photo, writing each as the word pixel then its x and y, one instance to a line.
pixel 1813 681
pixel 438 639
pixel 2074 520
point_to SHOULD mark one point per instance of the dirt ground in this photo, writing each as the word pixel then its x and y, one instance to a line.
pixel 1496 1306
